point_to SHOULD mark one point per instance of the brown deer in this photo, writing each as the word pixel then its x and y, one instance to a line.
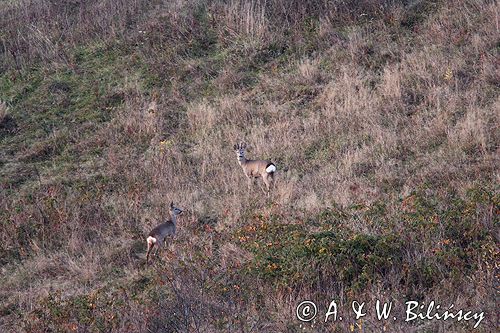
pixel 157 236
pixel 255 168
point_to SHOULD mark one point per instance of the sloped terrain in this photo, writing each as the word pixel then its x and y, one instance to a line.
pixel 381 116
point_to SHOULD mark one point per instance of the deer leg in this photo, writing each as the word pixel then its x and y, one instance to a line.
pixel 150 247
pixel 272 180
pixel 250 183
pixel 261 187
pixel 160 245
pixel 154 251
pixel 268 185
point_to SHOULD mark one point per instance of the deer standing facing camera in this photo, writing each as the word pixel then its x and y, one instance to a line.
pixel 255 168
pixel 157 235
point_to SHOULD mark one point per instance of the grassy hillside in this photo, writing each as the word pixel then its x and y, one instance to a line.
pixel 381 116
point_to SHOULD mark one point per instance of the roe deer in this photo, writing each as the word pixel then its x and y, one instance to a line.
pixel 157 235
pixel 255 168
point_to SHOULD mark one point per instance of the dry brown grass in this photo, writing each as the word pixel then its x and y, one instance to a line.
pixel 354 110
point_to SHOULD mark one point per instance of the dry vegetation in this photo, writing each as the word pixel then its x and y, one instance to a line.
pixel 382 117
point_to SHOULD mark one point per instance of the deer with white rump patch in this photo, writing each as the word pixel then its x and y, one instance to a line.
pixel 157 235
pixel 255 168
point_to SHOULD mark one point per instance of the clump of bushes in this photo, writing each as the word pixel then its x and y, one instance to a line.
pixel 439 242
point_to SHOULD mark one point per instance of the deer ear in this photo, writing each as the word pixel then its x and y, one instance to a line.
pixel 235 147
pixel 171 204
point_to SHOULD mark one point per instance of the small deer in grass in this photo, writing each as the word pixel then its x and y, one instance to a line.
pixel 157 235
pixel 255 168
